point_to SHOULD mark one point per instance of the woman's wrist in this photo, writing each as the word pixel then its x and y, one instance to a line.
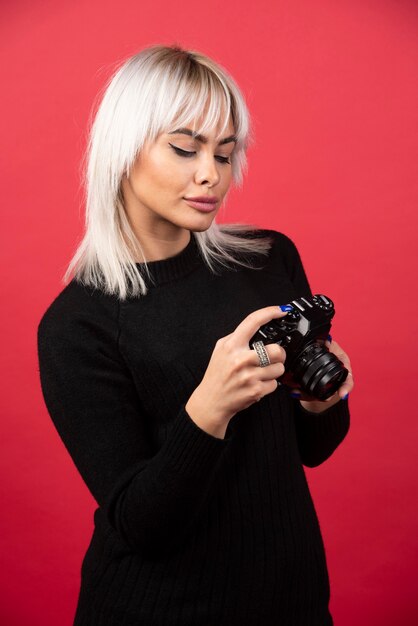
pixel 199 416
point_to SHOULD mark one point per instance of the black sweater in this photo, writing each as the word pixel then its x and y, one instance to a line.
pixel 190 529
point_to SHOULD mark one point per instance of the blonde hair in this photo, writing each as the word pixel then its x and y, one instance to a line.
pixel 156 90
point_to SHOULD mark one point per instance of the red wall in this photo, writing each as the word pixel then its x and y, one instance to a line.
pixel 333 90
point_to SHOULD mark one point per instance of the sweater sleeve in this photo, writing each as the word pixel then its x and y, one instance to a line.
pixel 150 497
pixel 318 434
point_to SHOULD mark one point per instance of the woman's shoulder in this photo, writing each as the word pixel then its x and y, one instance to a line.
pixel 280 243
pixel 78 305
pixel 256 232
pixel 280 238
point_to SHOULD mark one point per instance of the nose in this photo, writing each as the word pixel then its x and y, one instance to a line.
pixel 207 171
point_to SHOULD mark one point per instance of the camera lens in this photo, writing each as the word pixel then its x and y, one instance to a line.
pixel 319 372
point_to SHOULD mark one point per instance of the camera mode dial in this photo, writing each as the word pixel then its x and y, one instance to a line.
pixel 292 316
pixel 324 303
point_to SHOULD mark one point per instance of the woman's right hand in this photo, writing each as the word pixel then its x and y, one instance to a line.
pixel 234 379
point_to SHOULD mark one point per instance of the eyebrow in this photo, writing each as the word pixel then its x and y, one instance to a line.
pixel 201 138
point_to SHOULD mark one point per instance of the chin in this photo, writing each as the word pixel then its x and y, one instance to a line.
pixel 201 226
pixel 198 222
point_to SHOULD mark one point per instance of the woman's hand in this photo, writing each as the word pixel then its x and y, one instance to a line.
pixel 234 379
pixel 316 406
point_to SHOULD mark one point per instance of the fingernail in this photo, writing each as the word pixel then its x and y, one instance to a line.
pixel 329 338
pixel 285 307
pixel 295 394
pixel 346 396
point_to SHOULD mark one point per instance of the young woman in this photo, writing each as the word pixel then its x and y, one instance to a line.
pixel 184 436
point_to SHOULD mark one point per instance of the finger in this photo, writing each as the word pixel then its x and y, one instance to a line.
pixel 275 353
pixel 347 386
pixel 275 370
pixel 250 324
pixel 345 361
pixel 336 349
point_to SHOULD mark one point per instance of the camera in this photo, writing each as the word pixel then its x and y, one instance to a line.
pixel 302 333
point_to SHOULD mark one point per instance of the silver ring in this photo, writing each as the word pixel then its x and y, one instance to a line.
pixel 263 357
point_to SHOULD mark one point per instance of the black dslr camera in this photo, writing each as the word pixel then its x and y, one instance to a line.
pixel 302 333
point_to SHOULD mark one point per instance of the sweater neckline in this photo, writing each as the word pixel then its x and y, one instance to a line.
pixel 181 264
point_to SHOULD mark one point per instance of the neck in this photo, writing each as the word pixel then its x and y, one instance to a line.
pixel 157 248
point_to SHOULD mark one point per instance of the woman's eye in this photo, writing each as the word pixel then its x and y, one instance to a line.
pixel 187 154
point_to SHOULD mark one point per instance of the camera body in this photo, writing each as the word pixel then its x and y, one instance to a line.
pixel 302 333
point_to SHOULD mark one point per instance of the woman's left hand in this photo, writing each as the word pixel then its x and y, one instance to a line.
pixel 313 404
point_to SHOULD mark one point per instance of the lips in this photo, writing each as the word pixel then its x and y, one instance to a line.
pixel 205 199
pixel 206 206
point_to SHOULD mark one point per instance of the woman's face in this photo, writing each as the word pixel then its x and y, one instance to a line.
pixel 177 166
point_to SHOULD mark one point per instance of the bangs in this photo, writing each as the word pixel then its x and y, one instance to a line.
pixel 200 96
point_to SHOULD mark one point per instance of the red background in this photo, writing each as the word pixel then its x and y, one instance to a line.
pixel 333 91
